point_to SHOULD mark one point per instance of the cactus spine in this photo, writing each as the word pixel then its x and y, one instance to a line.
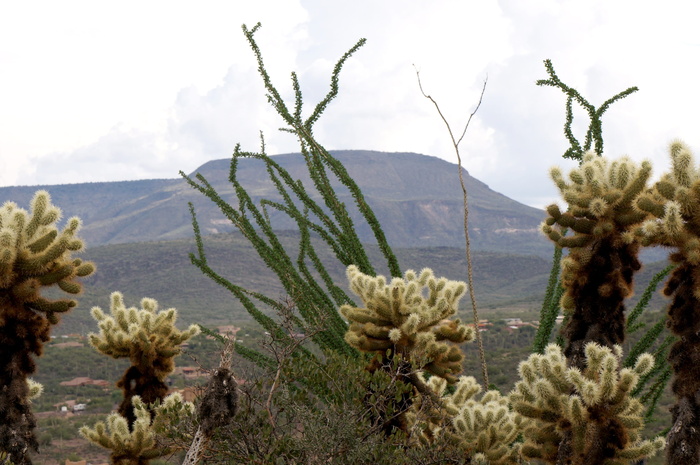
pixel 674 204
pixel 149 339
pixel 597 273
pixel 33 255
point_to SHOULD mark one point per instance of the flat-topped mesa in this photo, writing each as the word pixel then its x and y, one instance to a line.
pixel 603 252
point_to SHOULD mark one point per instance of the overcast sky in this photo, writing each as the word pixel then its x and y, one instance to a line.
pixel 104 91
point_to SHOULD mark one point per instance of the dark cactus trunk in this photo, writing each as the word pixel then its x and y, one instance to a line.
pixel 683 440
pixel 599 291
pixel 22 333
pixel 145 385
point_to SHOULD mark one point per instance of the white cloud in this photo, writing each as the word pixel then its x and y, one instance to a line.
pixel 139 89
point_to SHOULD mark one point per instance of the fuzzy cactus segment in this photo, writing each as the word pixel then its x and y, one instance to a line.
pixel 149 339
pixel 136 444
pixel 405 323
pixel 34 255
pixel 590 410
pixel 483 426
pixel 674 205
pixel 409 317
pixel 597 273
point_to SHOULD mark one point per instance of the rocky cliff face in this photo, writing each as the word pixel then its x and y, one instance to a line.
pixel 417 199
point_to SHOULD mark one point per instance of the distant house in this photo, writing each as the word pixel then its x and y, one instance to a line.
pixel 85 381
pixel 65 406
pixel 189 394
pixel 517 323
pixel 189 372
pixel 230 330
pixel 81 381
pixel 483 325
pixel 70 406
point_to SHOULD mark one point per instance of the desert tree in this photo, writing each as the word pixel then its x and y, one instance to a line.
pixel 483 427
pixel 651 385
pixel 151 341
pixel 456 141
pixel 597 275
pixel 137 444
pixel 317 210
pixel 34 255
pixel 593 141
pixel 673 202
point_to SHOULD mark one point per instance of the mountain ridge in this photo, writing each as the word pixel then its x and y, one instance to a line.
pixel 417 199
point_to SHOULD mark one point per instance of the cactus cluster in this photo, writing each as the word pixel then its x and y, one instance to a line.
pixel 597 273
pixel 589 410
pixel 674 205
pixel 149 339
pixel 405 323
pixel 137 444
pixel 485 427
pixel 34 255
pixel 398 317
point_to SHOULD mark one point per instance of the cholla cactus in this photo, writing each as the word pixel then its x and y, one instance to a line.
pixel 589 410
pixel 674 203
pixel 408 332
pixel 485 428
pixel 398 318
pixel 149 339
pixel 35 389
pixel 33 255
pixel 597 273
pixel 136 444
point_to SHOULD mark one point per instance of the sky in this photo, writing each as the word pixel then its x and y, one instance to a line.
pixel 106 91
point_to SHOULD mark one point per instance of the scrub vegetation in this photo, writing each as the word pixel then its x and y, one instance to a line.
pixel 379 369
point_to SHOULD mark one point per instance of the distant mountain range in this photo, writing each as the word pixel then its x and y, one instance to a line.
pixel 139 235
pixel 417 199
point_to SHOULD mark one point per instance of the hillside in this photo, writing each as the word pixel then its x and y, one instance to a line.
pixel 417 199
pixel 162 270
